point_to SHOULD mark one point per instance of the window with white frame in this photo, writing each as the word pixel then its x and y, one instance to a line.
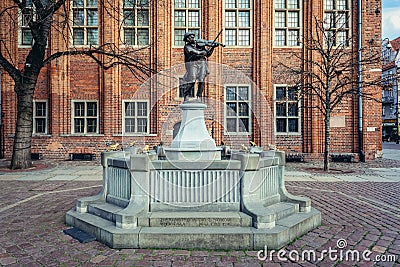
pixel 187 18
pixel 287 111
pixel 85 22
pixel 237 109
pixel 40 117
pixel 135 116
pixel 26 16
pixel 287 22
pixel 337 22
pixel 136 22
pixel 238 22
pixel 85 117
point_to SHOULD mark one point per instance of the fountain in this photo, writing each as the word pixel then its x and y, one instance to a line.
pixel 194 199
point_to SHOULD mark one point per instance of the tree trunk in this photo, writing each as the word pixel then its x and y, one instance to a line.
pixel 327 141
pixel 21 157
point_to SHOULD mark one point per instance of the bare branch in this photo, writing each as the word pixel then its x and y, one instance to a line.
pixel 111 57
pixel 20 4
pixel 6 10
pixel 13 71
pixel 38 4
pixel 53 8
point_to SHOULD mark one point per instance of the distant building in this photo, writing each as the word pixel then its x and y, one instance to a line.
pixel 79 107
pixel 390 91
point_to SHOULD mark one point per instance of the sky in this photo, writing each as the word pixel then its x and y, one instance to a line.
pixel 390 19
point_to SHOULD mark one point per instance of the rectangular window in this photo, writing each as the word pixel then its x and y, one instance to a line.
pixel 336 22
pixel 237 22
pixel 237 109
pixel 287 113
pixel 26 15
pixel 287 22
pixel 187 18
pixel 85 21
pixel 136 22
pixel 136 116
pixel 40 117
pixel 85 117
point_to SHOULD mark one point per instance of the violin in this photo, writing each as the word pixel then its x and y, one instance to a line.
pixel 203 43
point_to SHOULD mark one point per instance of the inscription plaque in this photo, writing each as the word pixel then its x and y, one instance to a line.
pixel 181 222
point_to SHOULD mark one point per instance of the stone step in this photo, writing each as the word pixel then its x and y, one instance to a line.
pixel 300 223
pixel 104 210
pixel 196 219
pixel 266 216
pixel 175 219
pixel 104 230
pixel 232 238
pixel 282 209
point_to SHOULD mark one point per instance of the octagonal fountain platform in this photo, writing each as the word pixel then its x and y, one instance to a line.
pixel 194 199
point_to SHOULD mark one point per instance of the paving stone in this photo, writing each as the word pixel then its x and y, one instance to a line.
pixel 383 243
pixel 218 253
pixel 223 264
pixel 379 249
pixel 7 177
pixel 198 259
pixel 89 178
pixel 179 263
pixel 124 263
pixel 231 258
pixel 181 252
pixel 63 177
pixel 272 264
pixel 236 253
pixel 296 173
pixel 372 237
pixel 57 171
pixel 304 178
pixel 34 177
pixel 252 253
pixel 247 264
pixel 31 232
pixel 199 253
pixel 8 260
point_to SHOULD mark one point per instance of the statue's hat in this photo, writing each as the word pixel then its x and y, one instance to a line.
pixel 187 34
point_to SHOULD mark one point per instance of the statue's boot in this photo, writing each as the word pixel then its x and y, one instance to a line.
pixel 200 89
pixel 188 91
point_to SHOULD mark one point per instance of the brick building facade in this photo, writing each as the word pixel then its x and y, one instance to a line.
pixel 390 92
pixel 80 107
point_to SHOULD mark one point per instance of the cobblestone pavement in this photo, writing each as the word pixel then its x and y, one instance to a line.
pixel 361 215
pixel 391 150
pixel 54 170
pixel 359 202
pixel 381 170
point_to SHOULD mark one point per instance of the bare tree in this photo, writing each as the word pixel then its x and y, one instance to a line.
pixel 328 72
pixel 42 17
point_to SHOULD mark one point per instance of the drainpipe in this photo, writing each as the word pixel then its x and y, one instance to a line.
pixel 1 117
pixel 1 110
pixel 397 107
pixel 360 103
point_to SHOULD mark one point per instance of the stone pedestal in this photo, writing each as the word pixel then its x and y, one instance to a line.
pixel 193 142
pixel 194 199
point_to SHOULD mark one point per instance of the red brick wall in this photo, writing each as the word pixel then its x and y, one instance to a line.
pixel 67 79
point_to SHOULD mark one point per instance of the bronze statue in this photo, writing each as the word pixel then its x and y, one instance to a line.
pixel 196 55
